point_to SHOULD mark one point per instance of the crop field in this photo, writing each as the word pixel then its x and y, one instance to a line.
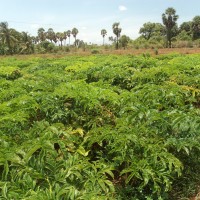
pixel 100 127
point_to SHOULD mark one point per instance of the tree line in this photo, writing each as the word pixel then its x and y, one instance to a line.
pixel 169 31
pixel 14 42
pixel 165 33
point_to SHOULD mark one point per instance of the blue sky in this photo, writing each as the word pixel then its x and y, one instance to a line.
pixel 90 16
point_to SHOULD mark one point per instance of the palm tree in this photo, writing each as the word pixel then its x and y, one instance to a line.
pixel 65 37
pixel 116 31
pixel 7 36
pixel 35 39
pixel 50 34
pixel 55 39
pixel 103 33
pixel 41 34
pixel 169 19
pixel 60 37
pixel 26 43
pixel 68 35
pixel 74 33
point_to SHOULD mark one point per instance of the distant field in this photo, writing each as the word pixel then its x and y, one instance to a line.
pixel 100 126
pixel 161 51
pixel 101 50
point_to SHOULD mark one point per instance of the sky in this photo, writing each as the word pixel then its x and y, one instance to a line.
pixel 91 16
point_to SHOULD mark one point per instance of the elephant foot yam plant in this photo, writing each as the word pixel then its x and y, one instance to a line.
pixel 100 127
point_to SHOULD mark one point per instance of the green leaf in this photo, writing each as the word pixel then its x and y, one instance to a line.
pixel 82 151
pixel 102 184
pixel 31 152
pixel 110 184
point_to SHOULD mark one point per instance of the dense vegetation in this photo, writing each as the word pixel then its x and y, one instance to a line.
pixel 153 35
pixel 100 127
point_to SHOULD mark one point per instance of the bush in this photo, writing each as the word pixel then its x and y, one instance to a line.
pixel 183 44
pixel 156 51
pixel 95 51
pixel 45 47
pixel 66 49
pixel 197 43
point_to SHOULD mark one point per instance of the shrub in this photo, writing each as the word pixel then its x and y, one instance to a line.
pixel 155 51
pixel 95 51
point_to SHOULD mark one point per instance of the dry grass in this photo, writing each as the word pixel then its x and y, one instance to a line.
pixel 80 52
pixel 152 51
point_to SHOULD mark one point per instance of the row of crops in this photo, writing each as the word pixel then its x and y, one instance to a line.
pixel 100 127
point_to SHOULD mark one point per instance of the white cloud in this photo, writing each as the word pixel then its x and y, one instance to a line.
pixel 122 8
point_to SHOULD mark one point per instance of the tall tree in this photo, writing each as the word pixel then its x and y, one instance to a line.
pixel 26 43
pixel 41 34
pixel 185 31
pixel 55 39
pixel 74 33
pixel 103 33
pixel 169 19
pixel 186 26
pixel 76 43
pixel 159 31
pixel 147 30
pixel 117 31
pixel 69 35
pixel 50 34
pixel 124 40
pixel 65 37
pixel 154 31
pixel 60 37
pixel 196 27
pixel 7 36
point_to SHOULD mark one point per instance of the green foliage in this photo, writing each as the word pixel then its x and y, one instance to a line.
pixel 124 40
pixel 156 51
pixel 45 47
pixel 196 28
pixel 100 127
pixel 10 73
pixel 117 31
pixel 152 30
pixel 94 51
